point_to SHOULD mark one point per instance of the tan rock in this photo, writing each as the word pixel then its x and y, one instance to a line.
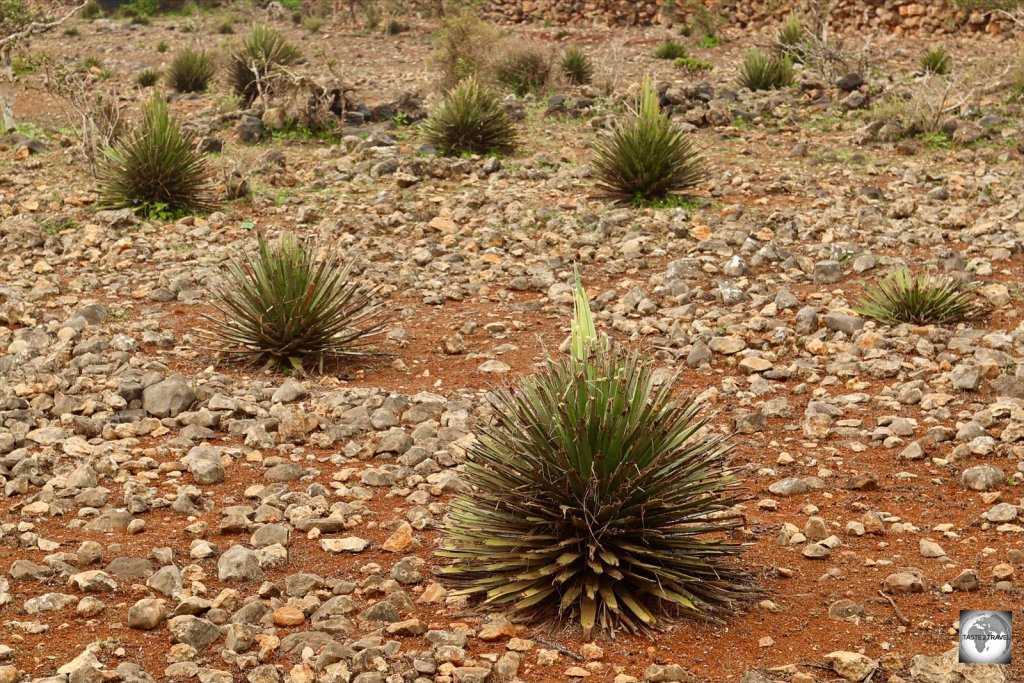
pixel 289 616
pixel 400 540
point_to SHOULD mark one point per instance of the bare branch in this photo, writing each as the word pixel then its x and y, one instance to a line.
pixel 38 27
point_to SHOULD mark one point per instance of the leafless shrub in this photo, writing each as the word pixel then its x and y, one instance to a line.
pixel 100 113
pixel 923 106
pixel 822 52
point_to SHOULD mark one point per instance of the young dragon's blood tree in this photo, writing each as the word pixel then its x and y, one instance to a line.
pixel 19 21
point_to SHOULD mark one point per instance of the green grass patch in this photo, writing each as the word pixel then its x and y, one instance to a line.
pixel 670 202
pixel 709 41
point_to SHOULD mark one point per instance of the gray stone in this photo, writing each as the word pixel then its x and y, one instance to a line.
pixel 137 568
pixel 291 390
pixel 1003 512
pixel 285 472
pixel 806 320
pixel 110 521
pixel 49 602
pixel 193 631
pixel 826 272
pixel 793 486
pixel 204 464
pixel 250 128
pixel 965 377
pixel 967 580
pixel 269 534
pixel 351 544
pixel 946 669
pixel 166 581
pixel 843 322
pixel 852 666
pixel 168 398
pixel 982 477
pixel 239 563
pixel 93 581
pixel 699 355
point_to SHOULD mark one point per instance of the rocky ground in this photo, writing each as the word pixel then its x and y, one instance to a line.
pixel 167 516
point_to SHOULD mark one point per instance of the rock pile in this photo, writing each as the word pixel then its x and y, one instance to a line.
pixel 897 16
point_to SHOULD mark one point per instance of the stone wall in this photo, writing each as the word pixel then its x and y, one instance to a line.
pixel 897 16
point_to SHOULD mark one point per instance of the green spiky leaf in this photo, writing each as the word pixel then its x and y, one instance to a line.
pixel 598 497
pixel 250 65
pixel 576 66
pixel 936 61
pixel 156 169
pixel 648 156
pixel 470 119
pixel 191 70
pixel 901 297
pixel 291 306
pixel 763 71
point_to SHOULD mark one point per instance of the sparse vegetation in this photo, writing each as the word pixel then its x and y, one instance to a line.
pixel 1015 77
pixel 921 107
pixel 763 71
pixel 292 306
pixel 709 41
pixel 648 157
pixel 155 170
pixel 470 119
pixel 465 47
pixel 693 64
pixel 935 61
pixel 92 10
pixel 576 66
pixel 191 70
pixel 392 27
pixel 147 78
pixel 523 68
pixel 263 51
pixel 791 39
pixel 901 297
pixel 669 49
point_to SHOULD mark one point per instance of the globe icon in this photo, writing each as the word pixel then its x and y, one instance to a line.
pixel 985 637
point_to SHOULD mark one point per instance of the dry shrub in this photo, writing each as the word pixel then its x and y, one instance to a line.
pixel 922 107
pixel 465 47
pixel 469 47
pixel 523 67
pixel 315 105
pixel 100 113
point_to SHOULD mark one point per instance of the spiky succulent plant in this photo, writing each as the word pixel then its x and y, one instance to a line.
pixel 791 37
pixel 648 157
pixel 576 66
pixel 763 71
pixel 936 61
pixel 669 49
pixel 156 170
pixel 147 78
pixel 263 51
pixel 900 297
pixel 290 305
pixel 191 70
pixel 470 119
pixel 597 497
